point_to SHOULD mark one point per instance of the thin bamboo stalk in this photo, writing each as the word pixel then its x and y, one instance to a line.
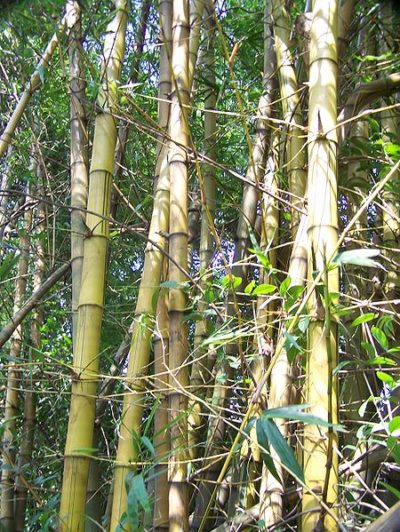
pixel 35 81
pixel 32 302
pixel 90 311
pixel 144 321
pixel 289 90
pixel 247 217
pixel 29 421
pixel 201 367
pixel 319 446
pixel 13 377
pixel 161 422
pixel 78 159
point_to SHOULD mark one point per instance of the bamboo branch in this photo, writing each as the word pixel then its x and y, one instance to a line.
pixel 32 302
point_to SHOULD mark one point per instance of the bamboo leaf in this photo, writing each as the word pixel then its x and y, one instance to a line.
pixel 296 413
pixel 262 289
pixel 364 318
pixel 358 257
pixel 390 488
pixel 264 443
pixel 384 377
pixel 379 335
pixel 281 447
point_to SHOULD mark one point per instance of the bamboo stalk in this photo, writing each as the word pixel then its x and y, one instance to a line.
pixel 178 249
pixel 201 367
pixel 289 90
pixel 223 372
pixel 319 446
pixel 8 443
pixel 35 81
pixel 90 311
pixel 78 159
pixel 29 421
pixel 32 302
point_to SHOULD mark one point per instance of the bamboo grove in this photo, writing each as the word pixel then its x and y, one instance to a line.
pixel 199 265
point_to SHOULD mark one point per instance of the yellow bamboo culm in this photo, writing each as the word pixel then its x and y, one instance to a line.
pixel 90 309
pixel 320 445
pixel 178 249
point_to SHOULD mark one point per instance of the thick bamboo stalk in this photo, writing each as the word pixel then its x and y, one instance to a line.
pixel 178 249
pixel 289 90
pixel 13 377
pixel 35 81
pixel 94 508
pixel 78 159
pixel 29 421
pixel 90 311
pixel 319 447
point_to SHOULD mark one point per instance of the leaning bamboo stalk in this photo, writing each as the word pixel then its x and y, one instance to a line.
pixel 29 421
pixel 13 376
pixel 319 446
pixel 90 310
pixel 34 82
pixel 139 353
pixel 178 250
pixel 144 319
pixel 78 159
pixel 32 302
pixel 289 91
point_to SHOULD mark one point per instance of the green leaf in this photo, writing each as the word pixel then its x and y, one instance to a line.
pixel 303 324
pixel 380 336
pixel 369 348
pixel 231 281
pixel 264 443
pixel 390 488
pixel 296 413
pixel 358 257
pixel 394 448
pixel 225 337
pixel 384 377
pixel 149 446
pixel 284 286
pixel 381 361
pixel 364 318
pixel 281 447
pixel 394 424
pixel 262 289
pixel 249 287
pixel 41 71
pixel 262 259
pixel 174 285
